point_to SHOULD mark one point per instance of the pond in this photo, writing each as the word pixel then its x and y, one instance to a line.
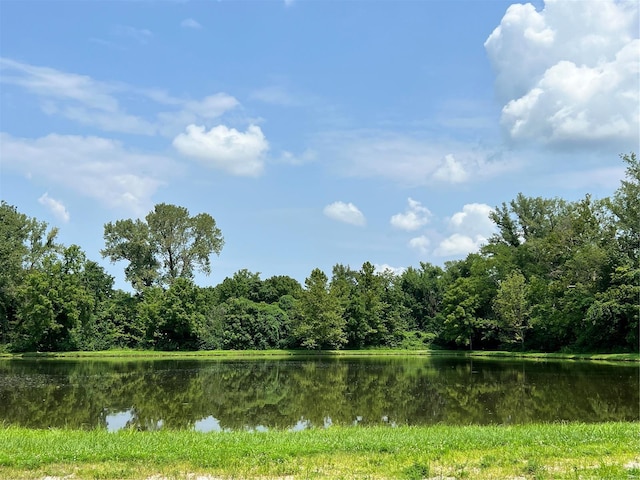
pixel 217 395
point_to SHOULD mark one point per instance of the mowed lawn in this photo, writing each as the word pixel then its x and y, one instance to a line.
pixel 546 451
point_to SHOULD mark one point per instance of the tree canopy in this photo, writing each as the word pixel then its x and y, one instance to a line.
pixel 557 275
pixel 170 244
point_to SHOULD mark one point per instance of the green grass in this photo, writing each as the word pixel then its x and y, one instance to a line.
pixel 549 451
pixel 152 354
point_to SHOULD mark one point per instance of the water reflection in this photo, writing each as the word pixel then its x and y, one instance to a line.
pixel 209 424
pixel 254 395
pixel 119 420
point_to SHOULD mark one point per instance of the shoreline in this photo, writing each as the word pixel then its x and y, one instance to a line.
pixel 217 354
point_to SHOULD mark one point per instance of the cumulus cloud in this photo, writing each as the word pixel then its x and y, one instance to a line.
pixel 384 268
pixel 225 148
pixel 472 227
pixel 451 170
pixel 346 213
pixel 569 74
pixel 190 23
pixel 413 218
pixel 474 219
pixel 95 167
pixel 459 244
pixel 56 207
pixel 421 244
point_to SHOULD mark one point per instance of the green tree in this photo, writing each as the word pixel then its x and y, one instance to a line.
pixel 466 317
pixel 130 240
pixel 170 244
pixel 274 288
pixel 180 315
pixel 149 314
pixel 117 323
pixel 612 321
pixel 365 317
pixel 319 324
pixel 251 325
pixel 395 314
pixel 511 305
pixel 243 284
pixel 626 208
pixel 24 244
pixel 54 306
pixel 423 293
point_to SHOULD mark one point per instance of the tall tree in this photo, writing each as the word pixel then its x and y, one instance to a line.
pixel 423 292
pixel 170 244
pixel 466 306
pixel 24 244
pixel 511 304
pixel 365 323
pixel 54 305
pixel 320 323
pixel 626 208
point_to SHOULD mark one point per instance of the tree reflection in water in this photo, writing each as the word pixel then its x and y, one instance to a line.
pixel 218 395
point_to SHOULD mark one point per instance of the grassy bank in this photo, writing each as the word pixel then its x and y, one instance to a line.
pixel 550 451
pixel 152 354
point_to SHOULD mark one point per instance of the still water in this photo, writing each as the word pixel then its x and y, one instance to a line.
pixel 216 395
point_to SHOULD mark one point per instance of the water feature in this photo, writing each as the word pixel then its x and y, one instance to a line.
pixel 218 395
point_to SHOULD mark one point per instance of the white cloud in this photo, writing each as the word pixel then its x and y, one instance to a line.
pixel 472 227
pixel 190 23
pixel 107 121
pixel 51 83
pixel 569 73
pixel 346 213
pixel 225 148
pixel 95 167
pixel 458 245
pixel 473 219
pixel 305 157
pixel 91 102
pixel 196 111
pixel 412 160
pixel 212 106
pixel 451 171
pixel 56 207
pixel 76 97
pixel 421 244
pixel 413 218
pixel 384 268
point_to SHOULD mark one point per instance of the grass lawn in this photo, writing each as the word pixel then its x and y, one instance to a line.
pixel 546 451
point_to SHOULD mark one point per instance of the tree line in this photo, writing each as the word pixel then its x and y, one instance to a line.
pixel 557 275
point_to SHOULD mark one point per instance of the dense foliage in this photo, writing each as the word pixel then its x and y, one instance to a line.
pixel 557 275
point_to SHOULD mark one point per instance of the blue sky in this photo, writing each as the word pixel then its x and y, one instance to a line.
pixel 314 132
